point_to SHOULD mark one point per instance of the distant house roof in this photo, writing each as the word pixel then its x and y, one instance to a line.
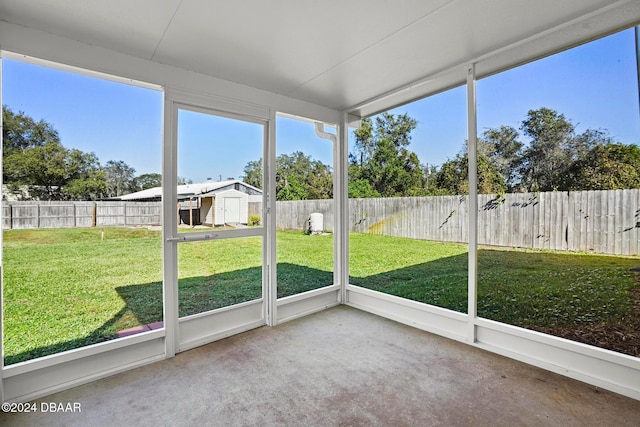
pixel 191 190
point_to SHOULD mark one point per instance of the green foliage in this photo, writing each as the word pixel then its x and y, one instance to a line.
pixel 35 159
pixel 93 187
pixel 503 151
pixel 254 220
pixel 147 180
pixel 547 158
pixel 20 132
pixel 361 188
pixel 289 188
pixel 607 167
pixel 298 177
pixel 37 166
pixel 119 178
pixel 381 164
pixel 453 177
pixel 382 158
pixel 253 173
pixel 558 159
pixel 546 164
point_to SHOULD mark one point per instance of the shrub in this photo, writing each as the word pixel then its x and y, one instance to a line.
pixel 254 220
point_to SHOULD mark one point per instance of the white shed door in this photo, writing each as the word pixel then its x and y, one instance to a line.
pixel 231 209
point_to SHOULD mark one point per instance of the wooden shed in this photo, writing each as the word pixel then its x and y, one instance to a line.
pixel 225 207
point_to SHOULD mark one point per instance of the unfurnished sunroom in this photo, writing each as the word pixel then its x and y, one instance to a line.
pixel 254 67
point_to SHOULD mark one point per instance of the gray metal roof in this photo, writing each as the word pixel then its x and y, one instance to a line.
pixel 186 190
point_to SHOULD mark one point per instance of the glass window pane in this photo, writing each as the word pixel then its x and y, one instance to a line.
pixel 304 185
pixel 219 172
pixel 409 221
pixel 78 270
pixel 218 273
pixel 562 240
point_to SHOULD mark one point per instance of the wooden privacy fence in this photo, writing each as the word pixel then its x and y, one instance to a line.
pixel 595 221
pixel 22 215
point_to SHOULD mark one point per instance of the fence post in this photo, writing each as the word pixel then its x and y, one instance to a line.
pixel 94 214
pixel 10 216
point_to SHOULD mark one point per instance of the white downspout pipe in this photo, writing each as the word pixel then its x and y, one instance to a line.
pixel 340 209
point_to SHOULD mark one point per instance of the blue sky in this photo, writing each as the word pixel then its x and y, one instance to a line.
pixel 594 85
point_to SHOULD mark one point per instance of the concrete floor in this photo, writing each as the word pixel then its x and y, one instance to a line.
pixel 339 367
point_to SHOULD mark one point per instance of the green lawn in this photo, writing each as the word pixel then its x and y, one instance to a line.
pixel 69 288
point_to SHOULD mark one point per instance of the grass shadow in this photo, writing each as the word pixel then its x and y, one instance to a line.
pixel 587 298
pixel 294 279
pixel 198 294
pixel 441 282
pixel 143 305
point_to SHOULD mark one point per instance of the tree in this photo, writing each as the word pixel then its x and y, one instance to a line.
pixel 557 158
pixel 85 178
pixel 364 143
pixel 320 181
pixel 291 189
pixel 20 132
pixel 119 178
pixel 40 168
pixel 253 173
pixel 361 188
pixel 382 159
pixel 607 167
pixel 503 150
pixel 547 158
pixel 298 177
pixel 93 187
pixel 453 177
pixel 52 172
pixel 35 160
pixel 147 180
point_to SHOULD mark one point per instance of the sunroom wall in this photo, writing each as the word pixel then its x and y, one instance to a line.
pixel 600 367
pixel 57 372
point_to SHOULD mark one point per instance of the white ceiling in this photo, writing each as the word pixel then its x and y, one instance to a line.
pixel 339 54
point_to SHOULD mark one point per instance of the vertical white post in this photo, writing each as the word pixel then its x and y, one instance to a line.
pixel 473 203
pixel 341 207
pixel 637 38
pixel 1 256
pixel 269 213
pixel 170 227
pixel 340 200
